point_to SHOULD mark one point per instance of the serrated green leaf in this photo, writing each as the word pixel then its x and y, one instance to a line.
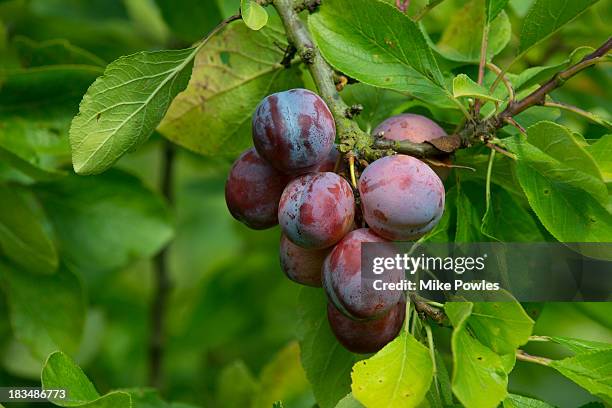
pixel 494 7
pixel 516 224
pixel 601 151
pixel 547 16
pixel 462 37
pixel 463 86
pixel 591 370
pixel 327 364
pixel 253 15
pixel 519 401
pixel 377 44
pixel 377 103
pixel 60 372
pixel 349 402
pixel 561 184
pixel 399 375
pixel 580 345
pixel 35 302
pixel 232 74
pixel 123 107
pixel 114 208
pixel 479 376
pixel 25 237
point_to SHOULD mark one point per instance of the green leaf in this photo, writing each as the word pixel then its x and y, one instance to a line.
pixel 547 16
pixel 190 20
pixel 580 345
pixel 501 326
pixel 122 108
pixel 519 401
pixel 115 209
pixel 376 44
pixel 327 364
pixel 469 202
pixel 349 402
pixel 493 8
pixel 53 52
pixel 60 372
pixel 237 387
pixel 232 74
pixel 150 398
pixel 479 376
pixel 464 86
pixel 462 37
pixel 591 370
pixel 399 375
pixel 25 237
pixel 560 180
pixel 47 312
pixel 253 15
pixel 506 220
pixel 282 378
pixel 601 151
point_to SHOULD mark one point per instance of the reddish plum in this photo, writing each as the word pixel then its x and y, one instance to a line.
pixel 402 197
pixel 366 336
pixel 253 190
pixel 316 210
pixel 301 265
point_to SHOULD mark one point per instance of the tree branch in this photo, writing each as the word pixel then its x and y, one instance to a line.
pixel 157 340
pixel 538 96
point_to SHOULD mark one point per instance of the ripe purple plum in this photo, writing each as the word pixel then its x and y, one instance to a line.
pixel 316 210
pixel 366 336
pixel 351 292
pixel 253 190
pixel 416 129
pixel 402 197
pixel 301 265
pixel 293 130
pixel 329 163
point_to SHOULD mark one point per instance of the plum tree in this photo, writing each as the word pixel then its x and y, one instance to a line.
pixel 344 284
pixel 366 336
pixel 253 190
pixel 301 265
pixel 293 130
pixel 417 129
pixel 402 198
pixel 316 210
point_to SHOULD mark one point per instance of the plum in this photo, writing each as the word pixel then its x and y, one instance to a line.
pixel 316 210
pixel 293 130
pixel 253 190
pixel 402 197
pixel 366 336
pixel 349 291
pixel 417 129
pixel 301 265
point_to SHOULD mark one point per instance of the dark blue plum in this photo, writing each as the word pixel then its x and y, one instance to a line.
pixel 293 130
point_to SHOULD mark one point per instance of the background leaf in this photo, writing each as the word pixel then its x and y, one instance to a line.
pixel 232 74
pixel 253 15
pixel 190 20
pixel 591 370
pixel 519 401
pixel 123 107
pixel 547 16
pixel 464 86
pixel 25 237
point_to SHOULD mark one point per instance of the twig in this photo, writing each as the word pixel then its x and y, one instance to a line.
pixel 522 356
pixel 578 111
pixel 506 82
pixel 538 96
pixel 351 159
pixel 424 308
pixel 517 125
pixel 402 5
pixel 488 180
pixel 426 9
pixel 481 66
pixel 501 150
pixel 163 285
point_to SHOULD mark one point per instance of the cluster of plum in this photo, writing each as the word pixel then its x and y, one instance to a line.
pixel 289 178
